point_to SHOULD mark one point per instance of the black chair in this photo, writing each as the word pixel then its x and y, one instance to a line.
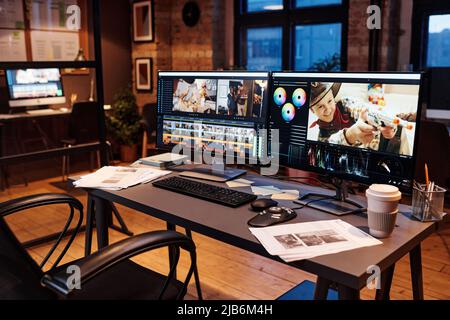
pixel 83 128
pixel 149 114
pixel 106 274
pixel 434 150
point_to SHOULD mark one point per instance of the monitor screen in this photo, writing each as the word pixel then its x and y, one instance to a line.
pixel 360 126
pixel 213 109
pixel 30 87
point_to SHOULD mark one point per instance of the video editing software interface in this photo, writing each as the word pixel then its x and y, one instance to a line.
pixel 34 83
pixel 212 110
pixel 354 125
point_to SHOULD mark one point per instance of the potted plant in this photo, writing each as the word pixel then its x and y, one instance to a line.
pixel 123 124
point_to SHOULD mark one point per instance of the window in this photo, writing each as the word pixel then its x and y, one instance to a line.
pixel 291 35
pixel 264 5
pixel 315 3
pixel 264 48
pixel 317 46
pixel 438 47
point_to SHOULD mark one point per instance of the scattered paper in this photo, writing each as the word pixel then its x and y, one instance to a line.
pixel 117 178
pixel 265 190
pixel 286 195
pixel 238 183
pixel 307 240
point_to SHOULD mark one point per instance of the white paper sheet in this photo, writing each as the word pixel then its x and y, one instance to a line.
pixel 265 190
pixel 54 46
pixel 117 178
pixel 12 45
pixel 290 195
pixel 238 183
pixel 311 239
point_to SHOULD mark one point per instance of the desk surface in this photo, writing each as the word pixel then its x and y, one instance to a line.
pixel 230 225
pixel 26 115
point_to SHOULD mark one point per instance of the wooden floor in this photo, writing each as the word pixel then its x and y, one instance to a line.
pixel 226 272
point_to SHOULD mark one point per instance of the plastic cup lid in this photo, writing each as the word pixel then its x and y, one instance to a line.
pixel 384 191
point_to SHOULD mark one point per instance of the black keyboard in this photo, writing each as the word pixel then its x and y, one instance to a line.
pixel 227 197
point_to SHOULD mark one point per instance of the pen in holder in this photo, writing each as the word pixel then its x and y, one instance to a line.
pixel 428 204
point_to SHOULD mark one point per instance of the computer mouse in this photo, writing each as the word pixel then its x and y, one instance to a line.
pixel 262 204
pixel 271 216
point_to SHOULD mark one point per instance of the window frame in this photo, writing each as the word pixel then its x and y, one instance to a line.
pixel 422 10
pixel 287 18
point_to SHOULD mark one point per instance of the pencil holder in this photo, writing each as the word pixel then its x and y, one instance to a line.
pixel 428 205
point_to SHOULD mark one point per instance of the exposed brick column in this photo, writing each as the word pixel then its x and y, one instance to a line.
pixel 358 36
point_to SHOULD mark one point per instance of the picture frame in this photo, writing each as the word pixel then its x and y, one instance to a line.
pixel 143 21
pixel 144 74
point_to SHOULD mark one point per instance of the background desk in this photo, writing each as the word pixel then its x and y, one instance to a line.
pixel 346 269
pixel 15 123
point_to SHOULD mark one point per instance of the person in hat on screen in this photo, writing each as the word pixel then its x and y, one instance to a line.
pixel 338 124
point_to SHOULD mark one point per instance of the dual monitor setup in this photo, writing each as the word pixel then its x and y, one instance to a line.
pixel 351 126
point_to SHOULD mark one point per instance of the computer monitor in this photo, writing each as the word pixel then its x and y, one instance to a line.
pixel 351 126
pixel 213 111
pixel 438 102
pixel 34 87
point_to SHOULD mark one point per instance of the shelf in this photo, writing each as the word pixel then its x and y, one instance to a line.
pixel 48 64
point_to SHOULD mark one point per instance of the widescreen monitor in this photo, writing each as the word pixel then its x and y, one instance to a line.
pixel 356 126
pixel 213 109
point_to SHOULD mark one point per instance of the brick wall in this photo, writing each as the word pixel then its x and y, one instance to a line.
pixel 202 47
pixel 358 36
pixel 179 47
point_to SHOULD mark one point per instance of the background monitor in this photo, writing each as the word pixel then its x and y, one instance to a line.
pixel 356 126
pixel 213 109
pixel 438 106
pixel 34 87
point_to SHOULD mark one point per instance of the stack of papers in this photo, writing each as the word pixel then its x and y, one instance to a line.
pixel 307 240
pixel 118 178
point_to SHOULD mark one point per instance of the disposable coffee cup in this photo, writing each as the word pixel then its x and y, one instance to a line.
pixel 382 209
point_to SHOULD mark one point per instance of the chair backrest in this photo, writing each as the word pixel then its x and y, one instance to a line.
pixel 434 150
pixel 83 122
pixel 149 113
pixel 20 276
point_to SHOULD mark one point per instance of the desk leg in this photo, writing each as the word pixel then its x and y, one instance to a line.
pixel 102 222
pixel 321 290
pixel 347 293
pixel 172 227
pixel 90 214
pixel 415 260
pixel 386 281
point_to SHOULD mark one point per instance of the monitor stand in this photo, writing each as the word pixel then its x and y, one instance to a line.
pixel 338 204
pixel 216 172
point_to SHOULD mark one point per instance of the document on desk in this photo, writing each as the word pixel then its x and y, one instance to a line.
pixel 118 178
pixel 307 240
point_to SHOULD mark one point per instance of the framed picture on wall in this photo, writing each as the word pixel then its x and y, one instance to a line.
pixel 143 71
pixel 143 21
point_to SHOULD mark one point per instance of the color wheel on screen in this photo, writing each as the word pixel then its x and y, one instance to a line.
pixel 288 112
pixel 299 97
pixel 279 96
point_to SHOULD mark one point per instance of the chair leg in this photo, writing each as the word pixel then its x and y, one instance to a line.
pixel 97 155
pixel 196 276
pixel 90 214
pixel 91 161
pixel 63 173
